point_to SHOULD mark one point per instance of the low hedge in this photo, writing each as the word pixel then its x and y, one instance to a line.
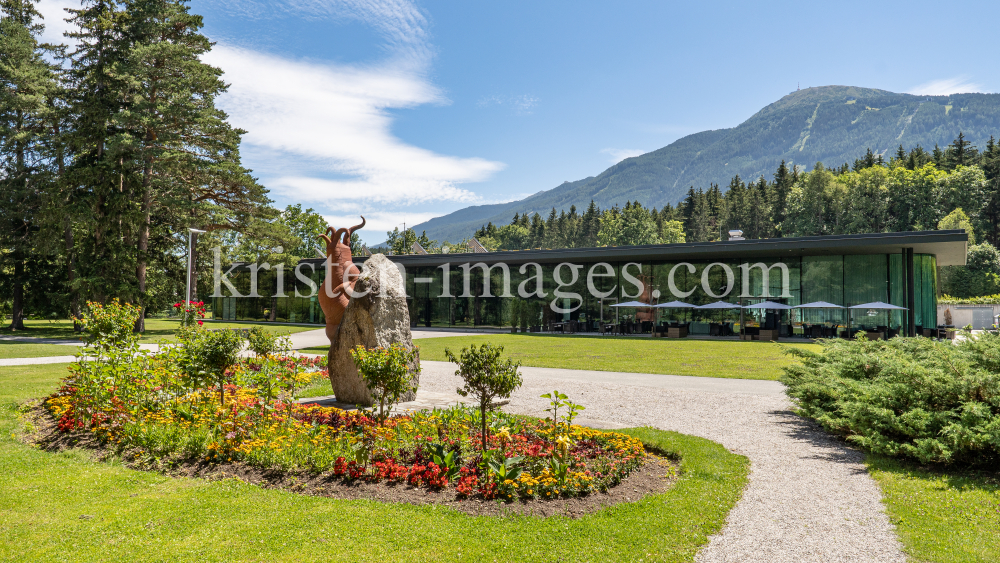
pixel 917 398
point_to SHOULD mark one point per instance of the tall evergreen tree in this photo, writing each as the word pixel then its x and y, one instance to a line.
pixel 991 213
pixel 960 152
pixel 780 189
pixel 27 86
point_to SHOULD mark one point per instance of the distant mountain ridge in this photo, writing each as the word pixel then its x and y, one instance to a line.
pixel 829 124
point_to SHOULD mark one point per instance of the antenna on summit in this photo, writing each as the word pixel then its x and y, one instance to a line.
pixel 797 84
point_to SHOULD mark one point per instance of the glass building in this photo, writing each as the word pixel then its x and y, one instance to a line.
pixel 539 288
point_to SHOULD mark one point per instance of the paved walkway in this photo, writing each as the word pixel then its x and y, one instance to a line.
pixel 809 498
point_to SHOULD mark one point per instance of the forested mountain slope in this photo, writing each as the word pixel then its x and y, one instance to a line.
pixel 829 124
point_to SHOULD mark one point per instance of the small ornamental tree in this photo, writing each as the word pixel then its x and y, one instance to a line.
pixel 110 327
pixel 486 377
pixel 264 343
pixel 208 354
pixel 386 372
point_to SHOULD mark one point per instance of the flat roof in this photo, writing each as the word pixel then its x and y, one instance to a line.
pixel 949 246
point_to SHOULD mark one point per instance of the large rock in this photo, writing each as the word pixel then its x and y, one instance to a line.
pixel 377 317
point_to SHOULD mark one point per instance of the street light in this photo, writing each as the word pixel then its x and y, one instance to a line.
pixel 187 291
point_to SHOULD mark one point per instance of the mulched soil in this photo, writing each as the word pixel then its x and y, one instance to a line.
pixel 655 476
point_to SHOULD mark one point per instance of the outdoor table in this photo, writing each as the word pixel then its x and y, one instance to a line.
pixel 677 331
pixel 768 334
pixel 874 335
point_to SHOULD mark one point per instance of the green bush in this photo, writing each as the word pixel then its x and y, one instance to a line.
pixel 916 398
pixel 263 342
pixel 207 355
pixel 387 374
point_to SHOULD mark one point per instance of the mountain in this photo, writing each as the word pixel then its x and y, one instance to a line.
pixel 829 124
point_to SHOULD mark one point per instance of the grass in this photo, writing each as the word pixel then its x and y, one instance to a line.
pixel 65 507
pixel 156 329
pixel 15 349
pixel 949 517
pixel 708 358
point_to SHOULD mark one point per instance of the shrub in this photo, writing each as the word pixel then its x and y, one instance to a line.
pixel 110 326
pixel 208 354
pixel 263 343
pixel 486 377
pixel 916 398
pixel 191 313
pixel 386 373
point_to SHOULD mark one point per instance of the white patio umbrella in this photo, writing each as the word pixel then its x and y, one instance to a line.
pixel 764 305
pixel 675 305
pixel 633 304
pixel 872 305
pixel 719 305
pixel 878 305
pixel 819 305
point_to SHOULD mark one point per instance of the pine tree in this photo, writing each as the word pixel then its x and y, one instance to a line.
pixel 991 212
pixel 590 225
pixel 960 152
pixel 701 228
pixel 938 158
pixel 103 157
pixel 27 87
pixel 780 189
pixel 687 210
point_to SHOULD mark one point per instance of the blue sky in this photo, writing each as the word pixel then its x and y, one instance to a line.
pixel 403 110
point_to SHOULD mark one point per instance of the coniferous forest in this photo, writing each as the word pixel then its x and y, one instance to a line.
pixel 957 187
pixel 110 149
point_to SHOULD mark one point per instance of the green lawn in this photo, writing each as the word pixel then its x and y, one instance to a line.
pixel 156 329
pixel 942 517
pixel 708 358
pixel 16 349
pixel 64 507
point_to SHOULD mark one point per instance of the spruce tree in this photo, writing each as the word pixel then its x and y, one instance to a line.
pixel 991 212
pixel 960 152
pixel 27 87
pixel 780 189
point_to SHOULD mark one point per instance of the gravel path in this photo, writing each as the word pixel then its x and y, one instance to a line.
pixel 809 497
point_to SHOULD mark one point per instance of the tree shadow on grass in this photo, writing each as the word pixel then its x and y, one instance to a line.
pixel 959 478
pixel 829 447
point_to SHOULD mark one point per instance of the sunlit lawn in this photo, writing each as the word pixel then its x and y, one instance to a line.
pixel 942 517
pixel 708 358
pixel 65 507
pixel 156 329
pixel 15 349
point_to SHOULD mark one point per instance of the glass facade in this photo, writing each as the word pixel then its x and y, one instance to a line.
pixel 465 292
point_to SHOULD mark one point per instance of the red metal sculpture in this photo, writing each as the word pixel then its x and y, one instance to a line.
pixel 333 295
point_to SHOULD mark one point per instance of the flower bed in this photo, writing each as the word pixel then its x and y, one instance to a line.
pixel 154 411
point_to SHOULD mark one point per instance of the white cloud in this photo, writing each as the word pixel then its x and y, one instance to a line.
pixel 320 133
pixel 378 223
pixel 331 122
pixel 54 17
pixel 618 155
pixel 521 105
pixel 946 86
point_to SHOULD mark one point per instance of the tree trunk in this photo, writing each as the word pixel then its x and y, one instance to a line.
pixel 17 312
pixel 143 246
pixel 74 296
pixel 194 267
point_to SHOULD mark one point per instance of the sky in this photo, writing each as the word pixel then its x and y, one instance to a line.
pixel 403 110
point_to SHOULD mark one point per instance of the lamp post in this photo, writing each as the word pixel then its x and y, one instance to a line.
pixel 187 290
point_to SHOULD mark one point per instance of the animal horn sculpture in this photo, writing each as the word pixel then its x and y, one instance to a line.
pixel 341 275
